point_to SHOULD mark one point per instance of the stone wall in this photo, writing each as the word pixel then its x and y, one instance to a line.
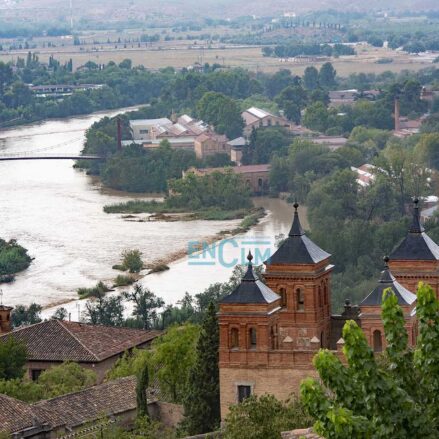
pixel 279 382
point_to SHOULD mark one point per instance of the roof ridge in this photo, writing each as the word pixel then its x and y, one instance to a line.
pixel 87 389
pixel 21 328
pixel 77 339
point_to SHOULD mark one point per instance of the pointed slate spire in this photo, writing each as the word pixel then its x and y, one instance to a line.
pixel 387 280
pixel 386 276
pixel 249 275
pixel 297 248
pixel 296 228
pixel 417 245
pixel 416 226
pixel 251 289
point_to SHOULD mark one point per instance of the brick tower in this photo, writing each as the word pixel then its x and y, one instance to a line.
pixel 5 319
pixel 299 271
pixel 416 258
pixel 370 310
pixel 270 333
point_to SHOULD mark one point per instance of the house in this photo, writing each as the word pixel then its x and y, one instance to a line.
pixel 332 142
pixel 81 413
pixel 257 118
pixel 146 129
pixel 210 143
pixel 342 97
pixel 236 149
pixel 164 128
pixel 365 174
pixel 95 347
pixel 270 332
pixel 255 176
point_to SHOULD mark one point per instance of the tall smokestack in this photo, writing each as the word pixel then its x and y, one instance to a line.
pixel 119 133
pixel 397 123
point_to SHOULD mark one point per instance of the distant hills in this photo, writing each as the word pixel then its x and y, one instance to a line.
pixel 116 10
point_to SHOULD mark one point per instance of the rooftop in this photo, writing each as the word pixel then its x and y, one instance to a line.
pixel 298 248
pixel 148 122
pixel 404 296
pixel 251 289
pixel 74 409
pixel 57 340
pixel 417 245
pixel 71 410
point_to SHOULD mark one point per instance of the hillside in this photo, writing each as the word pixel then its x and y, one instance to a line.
pixel 112 10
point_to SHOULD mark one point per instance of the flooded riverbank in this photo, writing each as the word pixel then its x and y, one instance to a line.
pixel 56 212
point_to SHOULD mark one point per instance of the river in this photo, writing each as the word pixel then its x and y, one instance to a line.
pixel 56 212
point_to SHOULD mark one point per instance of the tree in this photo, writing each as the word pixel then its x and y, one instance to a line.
pixel 60 314
pixel 142 384
pixel 396 397
pixel 146 304
pixel 26 315
pixel 311 78
pixel 327 75
pixel 12 358
pixel 132 260
pixel 316 117
pixel 66 378
pixel 268 141
pixel 222 112
pixel 427 150
pixel 202 400
pixel 173 356
pixel 292 100
pixel 104 311
pixel 264 417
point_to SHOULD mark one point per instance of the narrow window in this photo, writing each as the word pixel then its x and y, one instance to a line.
pixel 234 338
pixel 244 392
pixel 319 293
pixel 283 295
pixel 325 294
pixel 300 300
pixel 252 337
pixel 377 341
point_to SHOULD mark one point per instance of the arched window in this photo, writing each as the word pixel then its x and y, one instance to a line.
pixel 319 293
pixel 234 338
pixel 377 341
pixel 325 294
pixel 321 340
pixel 300 297
pixel 283 295
pixel 260 183
pixel 252 338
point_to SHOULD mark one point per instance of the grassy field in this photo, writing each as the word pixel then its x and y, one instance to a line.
pixel 180 54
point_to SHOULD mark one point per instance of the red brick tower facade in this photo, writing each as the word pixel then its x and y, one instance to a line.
pixel 270 333
pixel 416 258
pixel 370 310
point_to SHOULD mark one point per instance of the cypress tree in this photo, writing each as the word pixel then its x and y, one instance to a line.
pixel 141 386
pixel 202 402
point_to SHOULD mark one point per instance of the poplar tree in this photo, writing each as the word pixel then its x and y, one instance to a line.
pixel 202 402
pixel 394 395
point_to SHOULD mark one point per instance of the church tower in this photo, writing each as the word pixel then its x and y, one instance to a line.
pixel 299 271
pixel 370 310
pixel 416 258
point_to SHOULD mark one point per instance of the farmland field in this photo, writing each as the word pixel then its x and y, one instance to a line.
pixel 180 54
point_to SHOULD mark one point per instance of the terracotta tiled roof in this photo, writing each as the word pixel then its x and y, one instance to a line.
pixel 56 340
pixel 14 414
pixel 71 410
